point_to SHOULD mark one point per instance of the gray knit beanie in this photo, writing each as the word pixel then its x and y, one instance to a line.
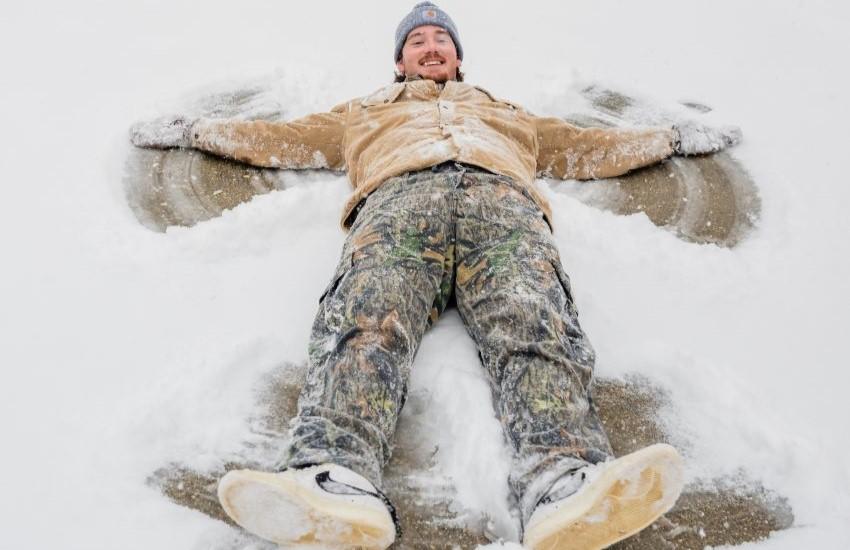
pixel 425 13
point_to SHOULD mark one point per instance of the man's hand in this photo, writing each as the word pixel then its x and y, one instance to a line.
pixel 163 133
pixel 693 138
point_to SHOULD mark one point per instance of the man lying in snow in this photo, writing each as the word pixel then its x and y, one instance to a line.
pixel 444 203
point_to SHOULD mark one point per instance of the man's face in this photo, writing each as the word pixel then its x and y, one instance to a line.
pixel 430 53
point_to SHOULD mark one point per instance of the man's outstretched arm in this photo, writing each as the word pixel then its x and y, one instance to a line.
pixel 569 152
pixel 314 141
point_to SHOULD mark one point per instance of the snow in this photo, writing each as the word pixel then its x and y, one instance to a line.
pixel 125 349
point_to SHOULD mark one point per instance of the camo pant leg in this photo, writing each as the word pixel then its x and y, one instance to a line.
pixel 514 297
pixel 394 271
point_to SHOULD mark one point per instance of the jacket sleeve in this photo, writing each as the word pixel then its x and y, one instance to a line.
pixel 566 151
pixel 314 141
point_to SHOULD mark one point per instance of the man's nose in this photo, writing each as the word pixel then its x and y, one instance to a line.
pixel 432 45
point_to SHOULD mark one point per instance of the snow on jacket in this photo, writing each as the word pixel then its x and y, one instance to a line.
pixel 417 124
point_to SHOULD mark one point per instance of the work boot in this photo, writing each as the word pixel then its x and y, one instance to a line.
pixel 325 506
pixel 598 505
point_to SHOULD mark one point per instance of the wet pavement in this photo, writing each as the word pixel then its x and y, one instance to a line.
pixel 704 199
pixel 710 513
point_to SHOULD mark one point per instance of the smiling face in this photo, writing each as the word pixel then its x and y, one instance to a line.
pixel 430 53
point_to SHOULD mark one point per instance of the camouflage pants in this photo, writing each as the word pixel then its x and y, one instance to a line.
pixel 419 238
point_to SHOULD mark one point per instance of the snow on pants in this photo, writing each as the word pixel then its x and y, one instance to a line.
pixel 417 239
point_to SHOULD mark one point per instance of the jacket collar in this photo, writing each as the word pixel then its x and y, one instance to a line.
pixel 417 78
pixel 419 86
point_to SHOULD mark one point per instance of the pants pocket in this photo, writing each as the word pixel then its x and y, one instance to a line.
pixel 341 271
pixel 564 279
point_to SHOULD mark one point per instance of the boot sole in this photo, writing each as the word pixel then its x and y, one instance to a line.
pixel 280 509
pixel 629 494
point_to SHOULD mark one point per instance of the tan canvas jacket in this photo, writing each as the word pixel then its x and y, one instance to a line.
pixel 417 124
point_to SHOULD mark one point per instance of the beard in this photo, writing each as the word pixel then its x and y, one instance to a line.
pixel 440 77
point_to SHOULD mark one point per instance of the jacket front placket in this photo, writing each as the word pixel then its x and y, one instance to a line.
pixel 445 110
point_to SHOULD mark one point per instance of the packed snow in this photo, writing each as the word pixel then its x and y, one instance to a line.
pixel 125 349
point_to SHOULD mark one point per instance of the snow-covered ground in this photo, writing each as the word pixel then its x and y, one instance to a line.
pixel 123 349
